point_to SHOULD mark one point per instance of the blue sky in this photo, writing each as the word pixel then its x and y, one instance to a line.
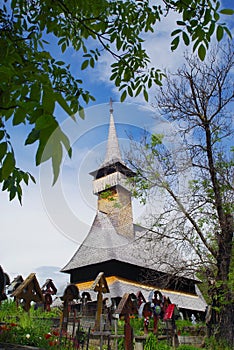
pixel 43 234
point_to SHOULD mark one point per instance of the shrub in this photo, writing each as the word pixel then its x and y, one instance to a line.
pixel 152 343
pixel 187 347
pixel 212 344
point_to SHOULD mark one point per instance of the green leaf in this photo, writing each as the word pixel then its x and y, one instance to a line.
pixel 229 12
pixel 219 33
pixel 65 140
pixel 202 52
pixel 228 32
pixel 63 103
pixel 118 43
pixel 6 184
pixel 2 133
pixel 138 90
pixel 44 122
pixel 41 155
pixel 82 113
pixel 12 193
pixel 63 47
pixel 56 160
pixel 19 193
pixel 8 165
pixel 123 96
pixel 130 92
pixel 61 41
pixel 175 32
pixel 59 63
pixel 175 43
pixel 25 178
pixel 212 28
pixel 149 83
pixel 186 39
pixel 207 17
pixel 216 16
pixel 19 116
pixel 91 62
pixel 35 93
pixel 3 149
pixel 32 137
pixel 146 96
pixel 48 99
pixel 46 142
pixel 84 64
pixel 113 76
pixel 32 177
pixel 180 23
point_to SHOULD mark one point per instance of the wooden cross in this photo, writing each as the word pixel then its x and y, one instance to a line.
pixel 100 286
pixel 71 292
pixel 48 289
pixel 29 290
pixel 126 308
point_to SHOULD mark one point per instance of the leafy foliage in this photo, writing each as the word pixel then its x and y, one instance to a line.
pixel 33 82
pixel 187 347
pixel 200 20
pixel 21 328
pixel 152 343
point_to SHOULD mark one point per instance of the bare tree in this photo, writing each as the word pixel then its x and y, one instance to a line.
pixel 196 178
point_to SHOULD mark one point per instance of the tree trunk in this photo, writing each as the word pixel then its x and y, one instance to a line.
pixel 225 297
pixel 222 324
pixel 226 324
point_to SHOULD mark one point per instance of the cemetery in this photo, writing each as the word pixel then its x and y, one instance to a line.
pixel 30 320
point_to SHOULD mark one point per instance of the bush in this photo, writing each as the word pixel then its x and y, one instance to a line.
pixel 187 347
pixel 20 327
pixel 152 343
pixel 212 344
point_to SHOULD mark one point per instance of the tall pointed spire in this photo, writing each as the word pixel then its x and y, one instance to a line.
pixel 112 175
pixel 112 150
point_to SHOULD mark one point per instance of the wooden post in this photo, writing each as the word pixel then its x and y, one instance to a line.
pixel 99 311
pixel 116 333
pixel 170 322
pixel 128 333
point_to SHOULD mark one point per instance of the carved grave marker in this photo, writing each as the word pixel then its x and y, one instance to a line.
pixel 100 286
pixel 126 308
pixel 48 289
pixel 28 291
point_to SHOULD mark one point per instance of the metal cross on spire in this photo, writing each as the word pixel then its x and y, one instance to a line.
pixel 111 106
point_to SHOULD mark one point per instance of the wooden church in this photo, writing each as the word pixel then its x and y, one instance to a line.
pixel 127 253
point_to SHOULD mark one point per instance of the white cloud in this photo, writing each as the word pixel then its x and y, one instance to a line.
pixel 28 239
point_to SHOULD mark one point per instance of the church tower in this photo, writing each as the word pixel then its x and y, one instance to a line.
pixel 112 187
pixel 128 255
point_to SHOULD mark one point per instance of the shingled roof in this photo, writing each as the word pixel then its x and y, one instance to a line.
pixel 119 286
pixel 103 244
